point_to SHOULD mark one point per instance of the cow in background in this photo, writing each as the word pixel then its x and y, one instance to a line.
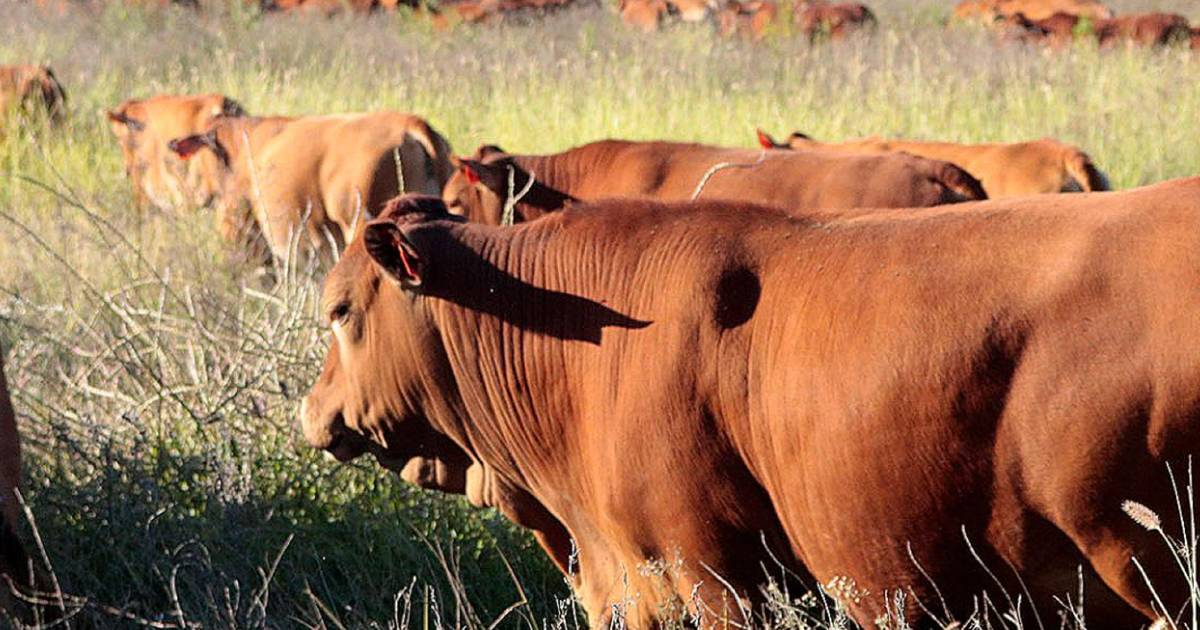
pixel 143 127
pixel 315 178
pixel 802 180
pixel 26 89
pixel 1005 169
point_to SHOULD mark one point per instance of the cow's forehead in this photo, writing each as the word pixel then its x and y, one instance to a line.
pixel 353 277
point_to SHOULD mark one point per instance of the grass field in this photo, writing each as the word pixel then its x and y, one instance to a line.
pixel 157 383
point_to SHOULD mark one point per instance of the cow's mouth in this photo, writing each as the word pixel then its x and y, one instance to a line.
pixel 344 447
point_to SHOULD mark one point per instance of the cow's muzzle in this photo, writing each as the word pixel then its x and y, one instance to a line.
pixel 327 431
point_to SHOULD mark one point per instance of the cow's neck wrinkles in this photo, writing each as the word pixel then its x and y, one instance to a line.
pixel 510 420
pixel 568 172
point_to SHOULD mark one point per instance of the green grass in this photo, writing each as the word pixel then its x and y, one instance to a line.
pixel 157 383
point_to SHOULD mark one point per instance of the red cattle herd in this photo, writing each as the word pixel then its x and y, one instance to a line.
pixel 915 373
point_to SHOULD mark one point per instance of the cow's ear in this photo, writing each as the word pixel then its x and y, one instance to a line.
pixel 486 151
pixel 122 118
pixel 231 108
pixel 493 175
pixel 469 170
pixel 765 140
pixel 187 146
pixel 398 257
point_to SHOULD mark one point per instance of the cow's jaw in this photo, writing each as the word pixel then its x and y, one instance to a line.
pixel 428 473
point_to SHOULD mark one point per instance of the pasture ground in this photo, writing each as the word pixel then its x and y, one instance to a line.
pixel 157 382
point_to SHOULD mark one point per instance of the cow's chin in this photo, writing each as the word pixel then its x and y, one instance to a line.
pixel 429 473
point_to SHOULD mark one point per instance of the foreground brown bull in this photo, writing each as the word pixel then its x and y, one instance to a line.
pixel 673 171
pixel 316 177
pixel 13 562
pixel 144 126
pixel 29 88
pixel 1005 169
pixel 676 387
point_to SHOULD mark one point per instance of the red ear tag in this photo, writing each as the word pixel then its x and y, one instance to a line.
pixel 764 140
pixel 404 259
pixel 470 174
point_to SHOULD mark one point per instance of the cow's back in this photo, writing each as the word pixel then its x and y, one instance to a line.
pixel 324 174
pixel 813 180
pixel 1004 169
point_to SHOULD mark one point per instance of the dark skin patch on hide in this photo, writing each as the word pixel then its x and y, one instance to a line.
pixel 738 292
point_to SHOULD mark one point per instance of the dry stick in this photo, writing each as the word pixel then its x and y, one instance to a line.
pixel 719 166
pixel 1014 606
pixel 37 538
pixel 400 185
pixel 81 603
pixel 742 606
pixel 260 598
pixel 524 601
pixel 937 591
pixel 510 205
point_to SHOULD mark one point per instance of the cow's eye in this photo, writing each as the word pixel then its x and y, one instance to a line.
pixel 339 313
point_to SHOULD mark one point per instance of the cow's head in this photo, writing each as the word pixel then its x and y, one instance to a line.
pixel 387 370
pixel 483 184
pixel 144 127
pixel 478 190
pixel 39 89
pixel 224 152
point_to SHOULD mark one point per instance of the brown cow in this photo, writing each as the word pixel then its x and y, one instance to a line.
pixel 1060 29
pixel 1005 169
pixel 750 20
pixel 644 15
pixel 693 10
pixel 678 386
pixel 234 146
pixel 982 11
pixel 1042 9
pixel 812 180
pixel 144 126
pixel 490 11
pixel 30 88
pixel 319 176
pixel 1144 29
pixel 13 562
pixel 835 21
pixel 328 7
